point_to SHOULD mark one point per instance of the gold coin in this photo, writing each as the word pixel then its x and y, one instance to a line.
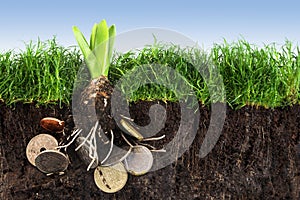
pixel 51 161
pixel 139 161
pixel 39 143
pixel 111 179
pixel 130 129
pixel 83 152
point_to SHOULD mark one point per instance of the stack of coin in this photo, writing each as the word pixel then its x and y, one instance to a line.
pixel 42 150
pixel 138 161
pixel 111 179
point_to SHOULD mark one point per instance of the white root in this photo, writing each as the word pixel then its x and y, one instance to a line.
pixel 154 138
pixel 86 138
pixel 126 140
pixel 111 147
pixel 76 133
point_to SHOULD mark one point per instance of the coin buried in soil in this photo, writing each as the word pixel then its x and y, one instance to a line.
pixel 51 161
pixel 139 161
pixel 130 129
pixel 52 124
pixel 38 144
pixel 110 179
pixel 83 152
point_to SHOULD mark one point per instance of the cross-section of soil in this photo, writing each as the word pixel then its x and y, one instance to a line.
pixel 254 158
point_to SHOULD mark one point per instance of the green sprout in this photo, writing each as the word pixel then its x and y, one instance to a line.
pixel 98 53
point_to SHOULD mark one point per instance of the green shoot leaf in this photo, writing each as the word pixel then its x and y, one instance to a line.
pixel 112 35
pixel 101 46
pixel 88 55
pixel 93 36
pixel 83 45
pixel 98 53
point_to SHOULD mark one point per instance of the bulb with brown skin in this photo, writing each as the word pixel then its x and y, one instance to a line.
pixel 104 91
pixel 95 99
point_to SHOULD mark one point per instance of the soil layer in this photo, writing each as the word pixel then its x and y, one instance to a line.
pixel 256 157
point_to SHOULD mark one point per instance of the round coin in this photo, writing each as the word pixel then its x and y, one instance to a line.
pixel 39 143
pixel 139 161
pixel 51 161
pixel 110 179
pixel 83 152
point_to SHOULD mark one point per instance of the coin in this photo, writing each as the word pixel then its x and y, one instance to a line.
pixel 39 143
pixel 127 125
pixel 52 124
pixel 51 161
pixel 139 161
pixel 83 152
pixel 110 179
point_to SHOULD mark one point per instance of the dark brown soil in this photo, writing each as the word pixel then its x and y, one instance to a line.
pixel 255 158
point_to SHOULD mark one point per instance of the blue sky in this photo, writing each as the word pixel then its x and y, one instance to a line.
pixel 205 22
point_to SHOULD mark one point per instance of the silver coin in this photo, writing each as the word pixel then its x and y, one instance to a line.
pixel 39 143
pixel 139 161
pixel 51 161
pixel 83 152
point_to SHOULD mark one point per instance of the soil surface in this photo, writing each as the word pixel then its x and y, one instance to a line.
pixel 256 157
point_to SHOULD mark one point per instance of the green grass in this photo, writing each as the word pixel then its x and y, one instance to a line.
pixel 42 73
pixel 268 76
pixel 163 56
